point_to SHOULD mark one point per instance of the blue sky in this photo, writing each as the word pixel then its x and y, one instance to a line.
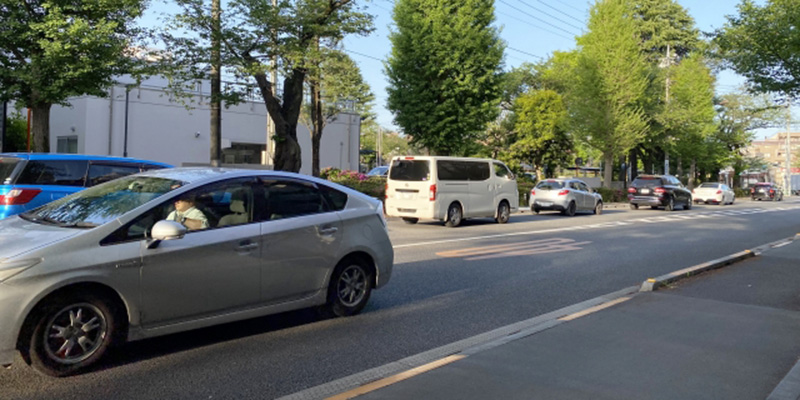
pixel 532 30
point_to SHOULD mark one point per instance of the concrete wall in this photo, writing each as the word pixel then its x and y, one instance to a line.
pixel 162 129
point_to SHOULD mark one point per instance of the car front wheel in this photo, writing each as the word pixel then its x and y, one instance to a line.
pixel 70 334
pixel 598 209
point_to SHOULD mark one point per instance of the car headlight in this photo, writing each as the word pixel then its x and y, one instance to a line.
pixel 11 268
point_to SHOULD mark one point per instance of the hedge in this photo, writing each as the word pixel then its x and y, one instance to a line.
pixel 374 186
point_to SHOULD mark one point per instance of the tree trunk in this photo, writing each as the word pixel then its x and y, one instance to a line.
pixel 692 173
pixel 680 167
pixel 316 127
pixel 608 169
pixel 539 173
pixel 40 127
pixel 633 162
pixel 215 131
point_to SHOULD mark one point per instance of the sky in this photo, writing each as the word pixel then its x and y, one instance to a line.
pixel 531 29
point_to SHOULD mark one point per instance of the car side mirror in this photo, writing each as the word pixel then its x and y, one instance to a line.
pixel 166 230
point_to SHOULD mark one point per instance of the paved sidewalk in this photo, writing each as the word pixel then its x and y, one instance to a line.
pixel 727 334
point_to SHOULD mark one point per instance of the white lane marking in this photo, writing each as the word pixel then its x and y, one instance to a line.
pixel 528 248
pixel 712 214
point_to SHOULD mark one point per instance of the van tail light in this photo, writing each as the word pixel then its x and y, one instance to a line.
pixel 719 191
pixel 631 190
pixel 693 191
pixel 563 192
pixel 386 191
pixel 432 193
pixel 18 196
pixel 752 190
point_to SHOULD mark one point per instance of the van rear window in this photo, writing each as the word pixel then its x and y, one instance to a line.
pixel 410 170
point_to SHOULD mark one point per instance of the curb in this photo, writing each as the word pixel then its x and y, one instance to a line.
pixel 652 284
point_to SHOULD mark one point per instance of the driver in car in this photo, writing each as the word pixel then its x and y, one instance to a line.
pixel 187 214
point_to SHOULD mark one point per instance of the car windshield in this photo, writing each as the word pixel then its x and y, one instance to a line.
pixel 7 165
pixel 378 170
pixel 102 203
pixel 550 185
pixel 710 185
pixel 410 170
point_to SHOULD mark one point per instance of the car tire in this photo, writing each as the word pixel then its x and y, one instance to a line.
pixel 634 206
pixel 571 208
pixel 503 212
pixel 688 206
pixel 349 289
pixel 71 333
pixel 598 209
pixel 536 210
pixel 454 215
pixel 670 204
pixel 410 221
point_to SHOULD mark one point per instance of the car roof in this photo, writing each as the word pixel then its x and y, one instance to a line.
pixel 209 174
pixel 79 157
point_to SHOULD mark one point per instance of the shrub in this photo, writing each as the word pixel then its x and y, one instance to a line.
pixel 612 195
pixel 739 192
pixel 524 186
pixel 374 186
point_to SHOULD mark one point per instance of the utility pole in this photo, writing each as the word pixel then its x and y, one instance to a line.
pixel 668 62
pixel 787 177
pixel 216 85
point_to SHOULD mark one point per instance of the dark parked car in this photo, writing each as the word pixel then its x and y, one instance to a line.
pixel 766 191
pixel 659 191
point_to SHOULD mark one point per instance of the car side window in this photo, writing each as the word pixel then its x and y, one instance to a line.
pixel 290 198
pixel 99 173
pixel 584 187
pixel 574 185
pixel 216 205
pixel 53 172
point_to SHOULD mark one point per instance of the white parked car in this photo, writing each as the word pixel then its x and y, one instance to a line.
pixel 450 189
pixel 565 195
pixel 178 249
pixel 713 192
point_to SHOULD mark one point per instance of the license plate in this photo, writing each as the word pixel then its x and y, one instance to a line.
pixel 760 190
pixel 645 191
pixel 545 203
pixel 403 196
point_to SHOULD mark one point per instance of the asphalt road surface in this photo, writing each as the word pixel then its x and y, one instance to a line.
pixel 448 284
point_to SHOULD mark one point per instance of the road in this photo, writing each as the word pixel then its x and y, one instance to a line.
pixel 448 284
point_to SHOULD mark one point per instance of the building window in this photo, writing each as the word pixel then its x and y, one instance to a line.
pixel 67 144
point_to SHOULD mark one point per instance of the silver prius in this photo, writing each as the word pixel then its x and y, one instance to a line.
pixel 177 249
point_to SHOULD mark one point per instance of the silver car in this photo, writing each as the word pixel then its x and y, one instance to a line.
pixel 177 249
pixel 566 195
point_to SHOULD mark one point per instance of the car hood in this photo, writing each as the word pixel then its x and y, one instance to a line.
pixel 18 236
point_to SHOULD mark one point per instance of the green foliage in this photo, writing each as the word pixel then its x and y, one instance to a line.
pixel 665 23
pixel 741 192
pixel 392 144
pixel 51 50
pixel 444 72
pixel 369 185
pixel 610 79
pixel 762 43
pixel 541 138
pixel 524 186
pixel 612 195
pixel 16 133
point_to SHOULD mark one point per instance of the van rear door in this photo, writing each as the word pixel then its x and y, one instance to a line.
pixel 408 187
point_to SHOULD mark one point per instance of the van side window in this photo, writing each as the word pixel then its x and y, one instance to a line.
pixel 449 170
pixel 501 171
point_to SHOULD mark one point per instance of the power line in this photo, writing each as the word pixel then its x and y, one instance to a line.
pixel 539 19
pixel 525 52
pixel 559 11
pixel 552 16
pixel 535 26
pixel 363 55
pixel 570 6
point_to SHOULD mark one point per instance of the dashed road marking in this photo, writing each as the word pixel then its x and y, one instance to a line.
pixel 553 245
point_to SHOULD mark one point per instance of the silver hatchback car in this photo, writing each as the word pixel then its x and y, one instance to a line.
pixel 178 249
pixel 566 195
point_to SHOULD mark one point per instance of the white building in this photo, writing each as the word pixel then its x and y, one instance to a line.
pixel 162 129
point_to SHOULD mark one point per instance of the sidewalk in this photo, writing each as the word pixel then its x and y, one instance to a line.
pixel 727 334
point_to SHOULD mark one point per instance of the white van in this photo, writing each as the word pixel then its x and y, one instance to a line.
pixel 450 189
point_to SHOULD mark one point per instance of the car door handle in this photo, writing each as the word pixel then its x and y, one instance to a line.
pixel 246 246
pixel 328 230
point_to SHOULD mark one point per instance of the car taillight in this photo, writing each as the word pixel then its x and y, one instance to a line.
pixel 718 192
pixel 660 190
pixel 631 190
pixel 18 196
pixel 386 191
pixel 772 190
pixel 432 193
pixel 563 192
pixel 692 191
pixel 533 192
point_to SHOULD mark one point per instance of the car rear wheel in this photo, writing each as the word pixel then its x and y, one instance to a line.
pixel 411 220
pixel 634 206
pixel 71 333
pixel 536 210
pixel 688 205
pixel 571 208
pixel 598 209
pixel 454 216
pixel 503 213
pixel 350 288
pixel 670 205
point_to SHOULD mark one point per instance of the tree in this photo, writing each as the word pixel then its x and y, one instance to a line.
pixel 252 32
pixel 336 85
pixel 444 72
pixel 541 137
pixel 762 43
pixel 16 133
pixel 392 144
pixel 52 50
pixel 609 83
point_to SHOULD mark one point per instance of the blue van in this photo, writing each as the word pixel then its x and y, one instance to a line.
pixel 28 180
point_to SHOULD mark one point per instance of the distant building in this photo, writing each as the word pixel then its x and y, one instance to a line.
pixel 773 151
pixel 162 129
